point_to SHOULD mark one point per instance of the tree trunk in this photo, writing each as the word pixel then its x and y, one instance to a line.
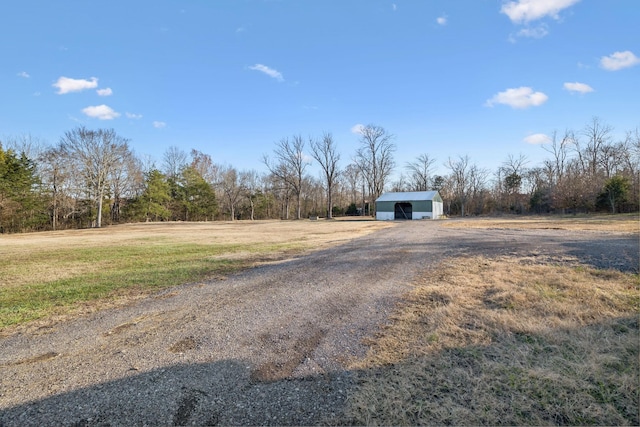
pixel 99 219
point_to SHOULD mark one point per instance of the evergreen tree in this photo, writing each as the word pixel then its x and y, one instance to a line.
pixel 615 192
pixel 21 207
pixel 196 196
pixel 152 204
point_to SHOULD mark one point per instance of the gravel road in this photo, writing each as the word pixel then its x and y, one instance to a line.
pixel 268 346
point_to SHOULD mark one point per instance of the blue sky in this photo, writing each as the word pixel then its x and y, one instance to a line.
pixel 484 78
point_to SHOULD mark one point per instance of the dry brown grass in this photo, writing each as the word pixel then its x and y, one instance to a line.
pixel 269 231
pixel 507 341
pixel 628 223
pixel 54 275
pixel 24 262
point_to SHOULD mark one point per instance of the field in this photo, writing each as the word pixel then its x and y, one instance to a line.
pixel 506 321
pixel 507 341
pixel 627 223
pixel 54 275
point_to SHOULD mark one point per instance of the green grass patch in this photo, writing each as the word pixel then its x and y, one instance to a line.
pixel 54 281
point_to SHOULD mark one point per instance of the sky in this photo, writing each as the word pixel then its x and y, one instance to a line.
pixel 230 78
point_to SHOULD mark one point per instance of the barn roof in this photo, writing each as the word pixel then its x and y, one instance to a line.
pixel 407 196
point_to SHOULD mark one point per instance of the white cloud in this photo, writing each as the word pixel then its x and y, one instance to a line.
pixel 618 60
pixel 268 71
pixel 578 87
pixel 102 112
pixel 66 85
pixel 105 92
pixel 530 10
pixel 442 20
pixel 394 6
pixel 24 74
pixel 357 129
pixel 133 116
pixel 535 33
pixel 159 125
pixel 537 138
pixel 521 97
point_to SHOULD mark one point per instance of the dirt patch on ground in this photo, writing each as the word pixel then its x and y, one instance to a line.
pixel 269 346
pixel 296 349
pixel 185 344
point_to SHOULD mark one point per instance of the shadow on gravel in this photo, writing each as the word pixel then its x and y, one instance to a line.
pixel 545 380
pixel 620 253
pixel 220 393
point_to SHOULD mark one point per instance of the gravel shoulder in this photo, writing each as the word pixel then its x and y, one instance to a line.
pixel 271 345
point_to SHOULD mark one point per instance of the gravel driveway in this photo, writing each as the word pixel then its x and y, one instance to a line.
pixel 266 346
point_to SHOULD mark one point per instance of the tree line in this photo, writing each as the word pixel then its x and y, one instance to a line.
pixel 92 177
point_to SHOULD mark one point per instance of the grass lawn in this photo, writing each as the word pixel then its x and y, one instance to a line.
pixel 58 274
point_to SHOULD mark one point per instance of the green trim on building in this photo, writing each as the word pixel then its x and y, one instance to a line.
pixel 417 205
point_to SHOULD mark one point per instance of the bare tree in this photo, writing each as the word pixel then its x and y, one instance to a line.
pixel 598 136
pixel 27 144
pixel 460 180
pixel 514 164
pixel 281 191
pixel 96 155
pixel 559 150
pixel 352 176
pixel 232 188
pixel 400 184
pixel 326 153
pixel 204 165
pixel 55 176
pixel 126 179
pixel 375 158
pixel 510 177
pixel 630 162
pixel 289 166
pixel 173 161
pixel 477 182
pixel 420 172
pixel 313 196
pixel 251 185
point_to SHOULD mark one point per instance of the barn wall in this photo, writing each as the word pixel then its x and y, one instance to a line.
pixel 438 209
pixel 417 206
pixel 421 209
pixel 385 207
pixel 421 206
pixel 385 216
pixel 421 215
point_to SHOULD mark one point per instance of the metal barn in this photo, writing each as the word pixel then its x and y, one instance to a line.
pixel 409 205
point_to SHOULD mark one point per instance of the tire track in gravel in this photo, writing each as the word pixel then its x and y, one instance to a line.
pixel 267 346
